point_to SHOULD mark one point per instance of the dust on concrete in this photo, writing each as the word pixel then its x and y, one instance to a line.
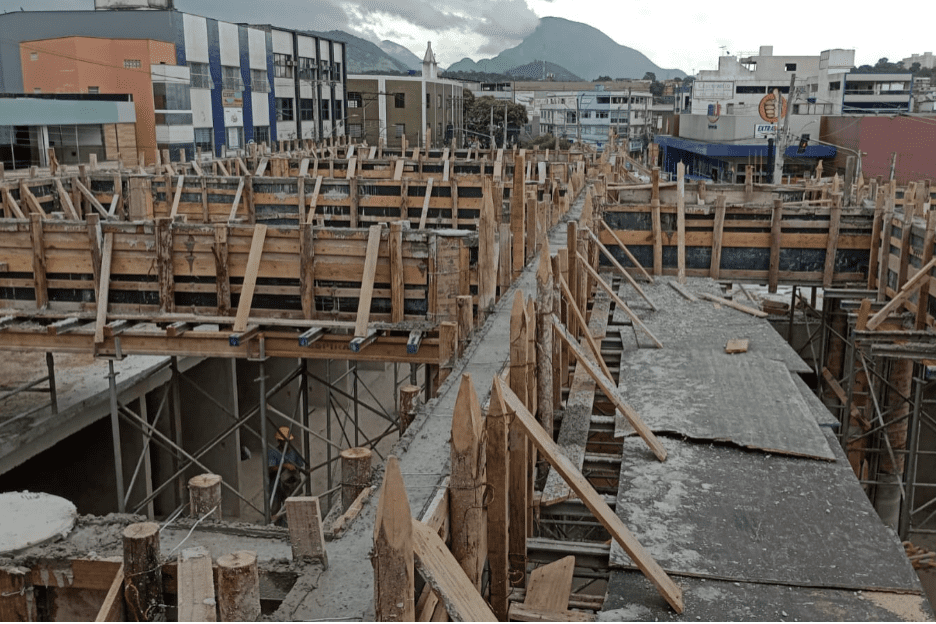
pixel 905 607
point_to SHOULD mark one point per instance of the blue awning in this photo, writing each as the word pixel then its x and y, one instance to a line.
pixel 731 150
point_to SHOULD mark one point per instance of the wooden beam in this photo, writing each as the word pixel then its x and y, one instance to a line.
pixel 236 202
pixel 775 233
pixel 196 592
pixel 681 222
pixel 522 613
pixel 717 234
pixel 928 241
pixel 66 202
pixel 306 535
pixel 550 585
pixel 732 304
pixel 393 556
pixel 902 295
pixel 438 567
pixel 587 336
pixel 104 288
pixel 425 206
pixel 178 196
pixel 313 200
pixel 487 269
pixel 835 217
pixel 367 281
pixel 682 291
pixel 607 386
pixel 112 608
pixel 607 254
pixel 250 278
pixel 397 288
pixel 617 300
pixel 40 280
pixel 876 236
pixel 497 510
pixel 518 456
pixel 307 269
pixel 12 205
pixel 593 500
pixel 466 483
pixel 92 199
pixel 262 166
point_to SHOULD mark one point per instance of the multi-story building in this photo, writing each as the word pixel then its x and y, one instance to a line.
pixel 926 60
pixel 197 83
pixel 426 109
pixel 588 116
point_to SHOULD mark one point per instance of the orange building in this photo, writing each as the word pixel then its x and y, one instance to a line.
pixel 98 65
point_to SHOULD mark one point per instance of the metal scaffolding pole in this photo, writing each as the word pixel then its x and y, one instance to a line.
pixel 307 421
pixel 115 437
pixel 263 442
pixel 328 433
pixel 354 391
pixel 911 467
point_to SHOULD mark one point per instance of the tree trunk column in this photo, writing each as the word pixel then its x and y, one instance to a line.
pixel 238 587
pixel 205 496
pixel 355 474
pixel 143 573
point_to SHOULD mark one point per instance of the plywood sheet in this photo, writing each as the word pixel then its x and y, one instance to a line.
pixel 710 395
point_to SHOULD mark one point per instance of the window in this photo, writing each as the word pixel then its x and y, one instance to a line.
pixel 261 134
pixel 601 114
pixel 790 66
pixel 835 86
pixel 94 89
pixel 729 109
pixel 337 75
pixel 586 114
pixel 231 78
pixel 428 100
pixel 173 119
pixel 283 65
pixel 399 100
pixel 258 81
pixel 171 97
pixel 783 89
pixel 307 110
pixel 37 90
pixel 439 100
pixel 307 68
pixel 33 56
pixel 200 76
pixel 325 110
pixel 354 99
pixel 235 137
pixel 355 130
pixel 204 140
pixel 400 130
pixel 132 64
pixel 749 89
pixel 284 109
pixel 604 99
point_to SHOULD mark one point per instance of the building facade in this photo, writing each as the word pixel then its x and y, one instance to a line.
pixel 589 116
pixel 198 84
pixel 426 109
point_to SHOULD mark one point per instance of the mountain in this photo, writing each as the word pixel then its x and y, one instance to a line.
pixel 580 48
pixel 536 71
pixel 363 56
pixel 402 54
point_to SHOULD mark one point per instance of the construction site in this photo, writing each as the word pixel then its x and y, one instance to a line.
pixel 328 381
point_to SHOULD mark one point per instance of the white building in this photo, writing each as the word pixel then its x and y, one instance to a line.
pixel 590 115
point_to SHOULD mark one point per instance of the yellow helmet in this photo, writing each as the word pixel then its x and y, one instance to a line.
pixel 283 434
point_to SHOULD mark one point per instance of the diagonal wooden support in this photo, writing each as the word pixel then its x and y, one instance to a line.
pixel 250 279
pixel 902 295
pixel 604 250
pixel 425 206
pixel 237 198
pixel 66 201
pixel 313 200
pixel 104 288
pixel 367 281
pixel 112 608
pixel 617 300
pixel 593 500
pixel 732 304
pixel 607 386
pixel 175 199
pixel 91 198
pixel 580 319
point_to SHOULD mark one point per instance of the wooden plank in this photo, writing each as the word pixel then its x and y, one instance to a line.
pixel 396 272
pixel 497 509
pixel 681 222
pixel 196 592
pixel 65 201
pixel 923 299
pixel 398 169
pixel 313 200
pixel 466 483
pixel 262 166
pixel 178 196
pixel 593 500
pixel 27 197
pixel 88 195
pixel 736 306
pixel 717 234
pixel 306 534
pixel 104 288
pixel 367 281
pixel 550 585
pixel 610 390
pixel 775 232
pixel 487 269
pixel 303 168
pixel 12 205
pixel 40 280
pixel 905 292
pixel 835 217
pixel 250 278
pixel 394 544
pixel 587 334
pixel 518 457
pixel 522 613
pixel 425 206
pixel 438 567
pixel 607 254
pixel 617 300
pixel 737 345
pixel 112 608
pixel 236 202
pixel 682 291
pixel 307 269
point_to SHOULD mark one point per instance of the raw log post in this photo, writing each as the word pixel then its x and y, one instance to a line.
pixel 355 473
pixel 305 528
pixel 205 496
pixel 408 397
pixel 17 603
pixel 143 572
pixel 466 483
pixel 463 306
pixel 238 587
pixel 544 338
pixel 487 272
pixel 392 557
pixel 497 470
pixel 681 222
pixel 518 447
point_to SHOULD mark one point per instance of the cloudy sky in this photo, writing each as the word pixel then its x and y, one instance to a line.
pixel 675 34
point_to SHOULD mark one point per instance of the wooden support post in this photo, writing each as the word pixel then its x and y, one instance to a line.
pixel 305 528
pixel 923 298
pixel 518 456
pixel 657 230
pixel 40 281
pixel 103 291
pixel 112 609
pixel 545 306
pixel 238 587
pixel 17 602
pixel 396 272
pixel 463 306
pixel 307 269
pixel 467 483
pixel 504 257
pixel 517 218
pixel 906 291
pixel 749 182
pixel 775 232
pixel 177 197
pixel 587 336
pixel 222 278
pixel 681 222
pixel 164 269
pixel 574 274
pixel 835 216
pixel 884 263
pixel 205 496
pixel 392 558
pixel 717 232
pixel 497 510
pixel 195 582
pixel 250 278
pixel 143 569
pixel 355 202
pixel 425 207
pixel 409 395
pixel 367 281
pixel 355 474
pixel 595 503
pixel 487 271
pixel 875 258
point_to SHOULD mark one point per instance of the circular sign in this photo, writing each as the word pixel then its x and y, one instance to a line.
pixel 768 109
pixel 714 112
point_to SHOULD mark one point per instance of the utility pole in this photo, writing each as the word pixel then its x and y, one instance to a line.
pixel 783 133
pixel 492 127
pixel 578 122
pixel 627 138
pixel 505 124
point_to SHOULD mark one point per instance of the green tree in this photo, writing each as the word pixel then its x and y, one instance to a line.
pixel 477 113
pixel 603 79
pixel 650 76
